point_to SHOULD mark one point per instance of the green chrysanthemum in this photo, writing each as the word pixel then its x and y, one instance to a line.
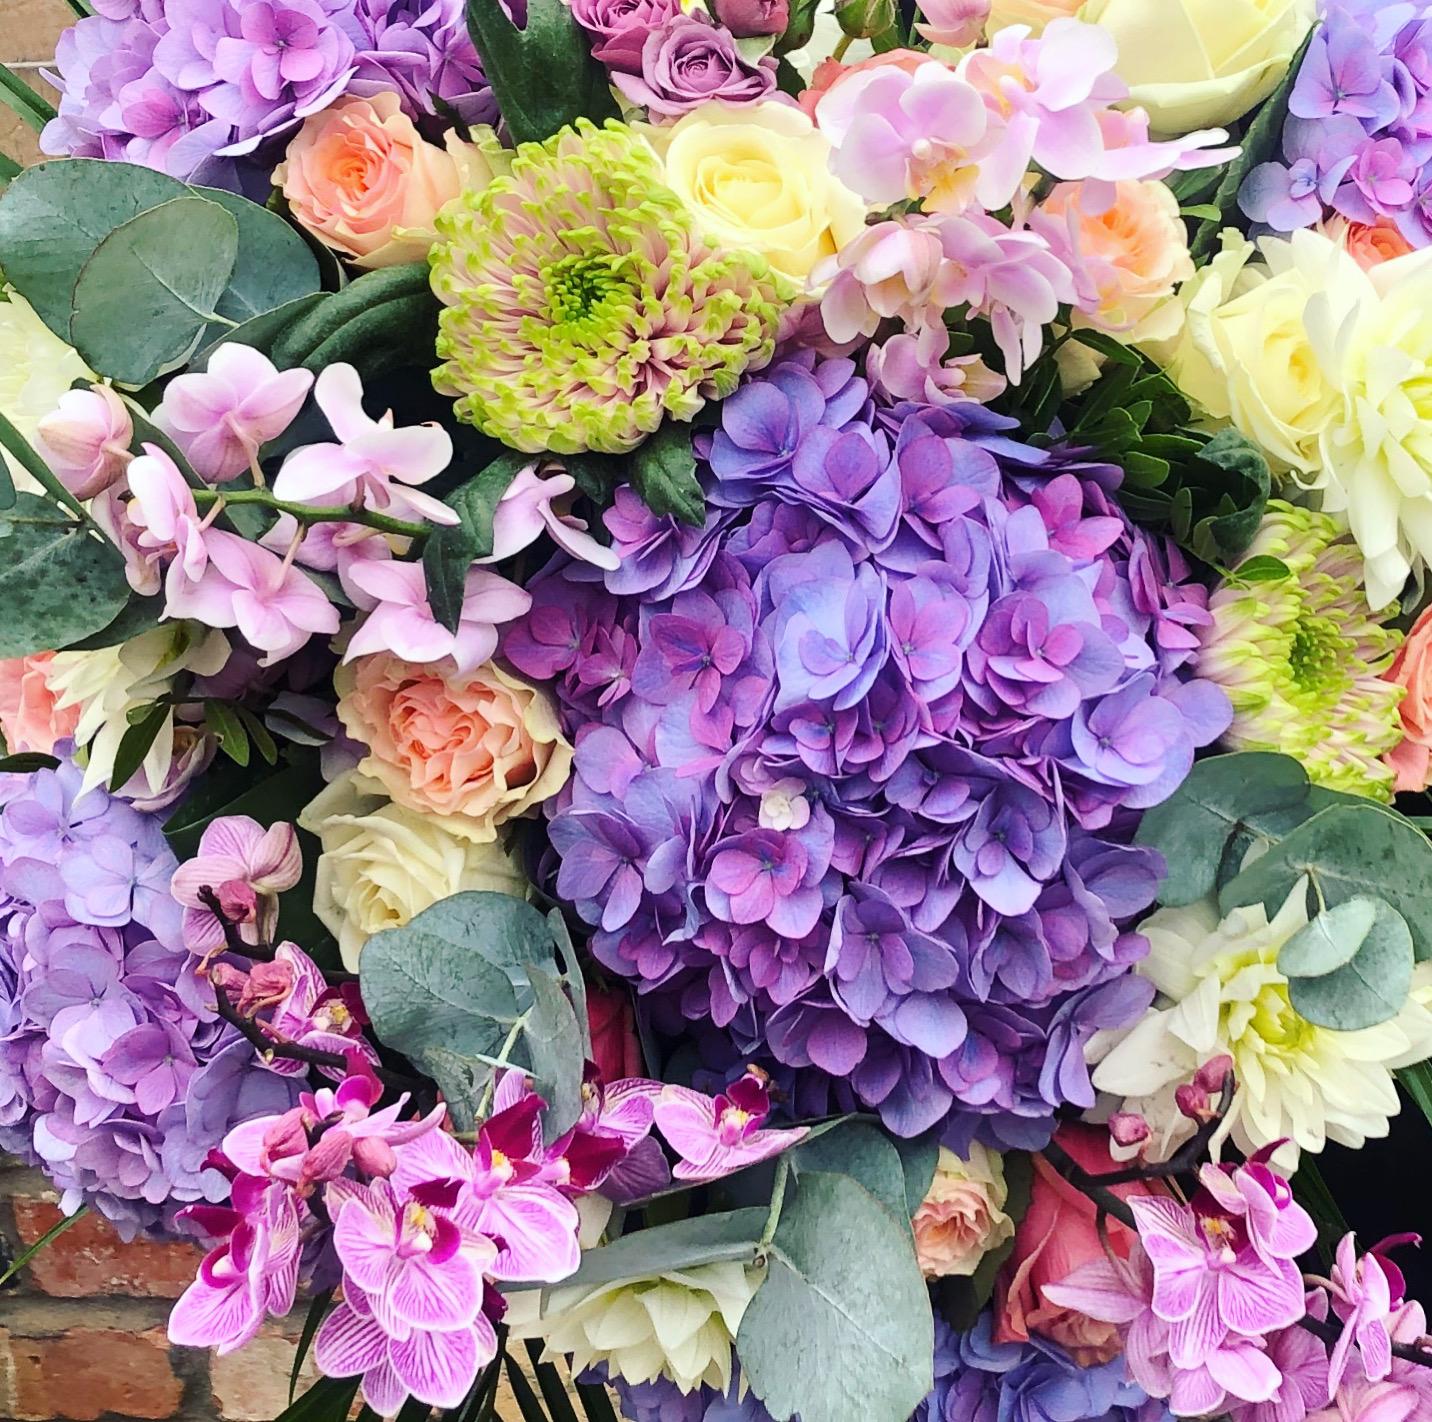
pixel 1302 657
pixel 583 308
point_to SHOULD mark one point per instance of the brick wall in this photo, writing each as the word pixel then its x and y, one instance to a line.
pixel 28 30
pixel 82 1329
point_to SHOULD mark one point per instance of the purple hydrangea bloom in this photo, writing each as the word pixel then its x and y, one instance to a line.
pixel 115 1074
pixel 858 763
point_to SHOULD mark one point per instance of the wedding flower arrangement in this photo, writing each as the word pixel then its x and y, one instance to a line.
pixel 725 706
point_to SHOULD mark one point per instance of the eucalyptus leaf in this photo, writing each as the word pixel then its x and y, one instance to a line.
pixel 54 215
pixel 919 1158
pixel 273 266
pixel 1351 850
pixel 702 1239
pixel 841 1329
pixel 138 616
pixel 864 1153
pixel 554 1051
pixel 1351 967
pixel 146 294
pixel 58 582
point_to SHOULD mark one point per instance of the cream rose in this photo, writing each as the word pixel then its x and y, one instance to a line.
pixel 1201 63
pixel 758 178
pixel 1246 356
pixel 381 864
pixel 962 1215
pixel 478 747
pixel 362 179
pixel 1034 13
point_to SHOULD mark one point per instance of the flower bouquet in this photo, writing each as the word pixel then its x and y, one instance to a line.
pixel 725 708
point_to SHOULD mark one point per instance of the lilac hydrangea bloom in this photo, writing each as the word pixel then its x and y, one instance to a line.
pixel 115 1074
pixel 857 764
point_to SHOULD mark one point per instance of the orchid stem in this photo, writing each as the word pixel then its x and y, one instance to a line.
pixel 778 1200
pixel 308 513
pixel 500 1062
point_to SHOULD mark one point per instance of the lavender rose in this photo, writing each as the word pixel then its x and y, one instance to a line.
pixel 621 27
pixel 688 62
pixel 747 19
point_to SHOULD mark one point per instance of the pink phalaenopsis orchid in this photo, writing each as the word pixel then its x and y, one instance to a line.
pixel 85 440
pixel 221 417
pixel 715 1136
pixel 166 518
pixel 247 866
pixel 525 512
pixel 956 23
pixel 402 622
pixel 374 462
pixel 1362 1298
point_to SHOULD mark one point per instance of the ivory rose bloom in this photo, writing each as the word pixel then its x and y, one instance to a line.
pixel 362 179
pixel 1034 13
pixel 1131 256
pixel 962 1215
pixel 476 747
pixel 758 178
pixel 1059 1233
pixel 30 718
pixel 382 865
pixel 1411 668
pixel 1201 63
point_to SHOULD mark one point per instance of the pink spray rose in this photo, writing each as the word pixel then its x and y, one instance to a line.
pixel 29 719
pixel 1412 668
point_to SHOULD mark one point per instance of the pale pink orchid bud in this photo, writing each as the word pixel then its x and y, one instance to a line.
pixel 1128 1128
pixel 327 1160
pixel 1192 1101
pixel 957 23
pixel 374 1156
pixel 237 901
pixel 1213 1073
pixel 85 440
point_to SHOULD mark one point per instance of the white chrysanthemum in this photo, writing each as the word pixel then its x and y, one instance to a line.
pixel 1221 992
pixel 679 1325
pixel 36 368
pixel 109 683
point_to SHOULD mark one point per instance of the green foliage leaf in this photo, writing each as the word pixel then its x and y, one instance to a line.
pixel 58 583
pixel 841 1329
pixel 138 616
pixel 54 215
pixel 663 472
pixel 1351 849
pixel 26 762
pixel 273 266
pixel 22 100
pixel 146 294
pixel 1416 1081
pixel 919 1158
pixel 135 744
pixel 554 1051
pixel 864 1153
pixel 702 1239
pixel 1351 967
pixel 544 76
pixel 224 722
pixel 261 332
pixel 1194 826
pixel 311 1323
pixel 449 552
pixel 328 1400
pixel 1229 482
pixel 1262 569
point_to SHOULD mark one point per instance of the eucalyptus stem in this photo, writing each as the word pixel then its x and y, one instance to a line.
pixel 778 1200
pixel 501 1062
pixel 308 513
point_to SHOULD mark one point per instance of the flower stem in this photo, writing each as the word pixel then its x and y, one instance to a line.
pixel 841 45
pixel 309 513
pixel 500 1062
pixel 49 1236
pixel 778 1200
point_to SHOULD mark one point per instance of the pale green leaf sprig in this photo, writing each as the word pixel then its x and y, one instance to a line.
pixel 582 308
pixel 1302 655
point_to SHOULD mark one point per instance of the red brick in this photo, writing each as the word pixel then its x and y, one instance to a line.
pixel 85 1373
pixel 89 1259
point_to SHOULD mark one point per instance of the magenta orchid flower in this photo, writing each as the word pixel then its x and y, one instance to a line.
pixel 237 854
pixel 525 512
pixel 716 1136
pixel 402 622
pixel 221 417
pixel 374 462
pixel 1362 1299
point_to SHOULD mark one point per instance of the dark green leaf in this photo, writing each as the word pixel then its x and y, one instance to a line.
pixel 544 76
pixel 57 582
pixel 148 290
pixel 800 26
pixel 262 332
pixel 663 472
pixel 26 762
pixel 841 1329
pixel 258 733
pixel 449 552
pixel 9 168
pixel 864 1153
pixel 1262 569
pixel 1351 850
pixel 227 790
pixel 328 1400
pixel 522 1393
pixel 19 97
pixel 1351 967
pixel 559 1405
pixel 1416 1081
pixel 596 1403
pixel 229 731
pixel 135 744
pixel 1106 345
pixel 138 616
pixel 554 1050
pixel 316 1309
pixel 703 1239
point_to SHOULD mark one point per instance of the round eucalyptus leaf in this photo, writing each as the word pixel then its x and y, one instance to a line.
pixel 1371 986
pixel 1330 940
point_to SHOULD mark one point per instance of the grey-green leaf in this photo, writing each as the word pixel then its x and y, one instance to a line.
pixel 145 296
pixel 702 1239
pixel 57 582
pixel 54 215
pixel 274 264
pixel 554 1051
pixel 1353 849
pixel 1371 982
pixel 863 1152
pixel 918 1158
pixel 841 1329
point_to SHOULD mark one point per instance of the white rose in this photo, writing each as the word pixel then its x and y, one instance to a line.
pixel 1201 63
pixel 382 865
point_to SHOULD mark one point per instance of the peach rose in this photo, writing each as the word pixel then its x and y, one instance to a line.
pixel 362 179
pixel 962 1217
pixel 476 748
pixel 29 718
pixel 1132 255
pixel 1369 246
pixel 830 72
pixel 1411 758
pixel 1056 1236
